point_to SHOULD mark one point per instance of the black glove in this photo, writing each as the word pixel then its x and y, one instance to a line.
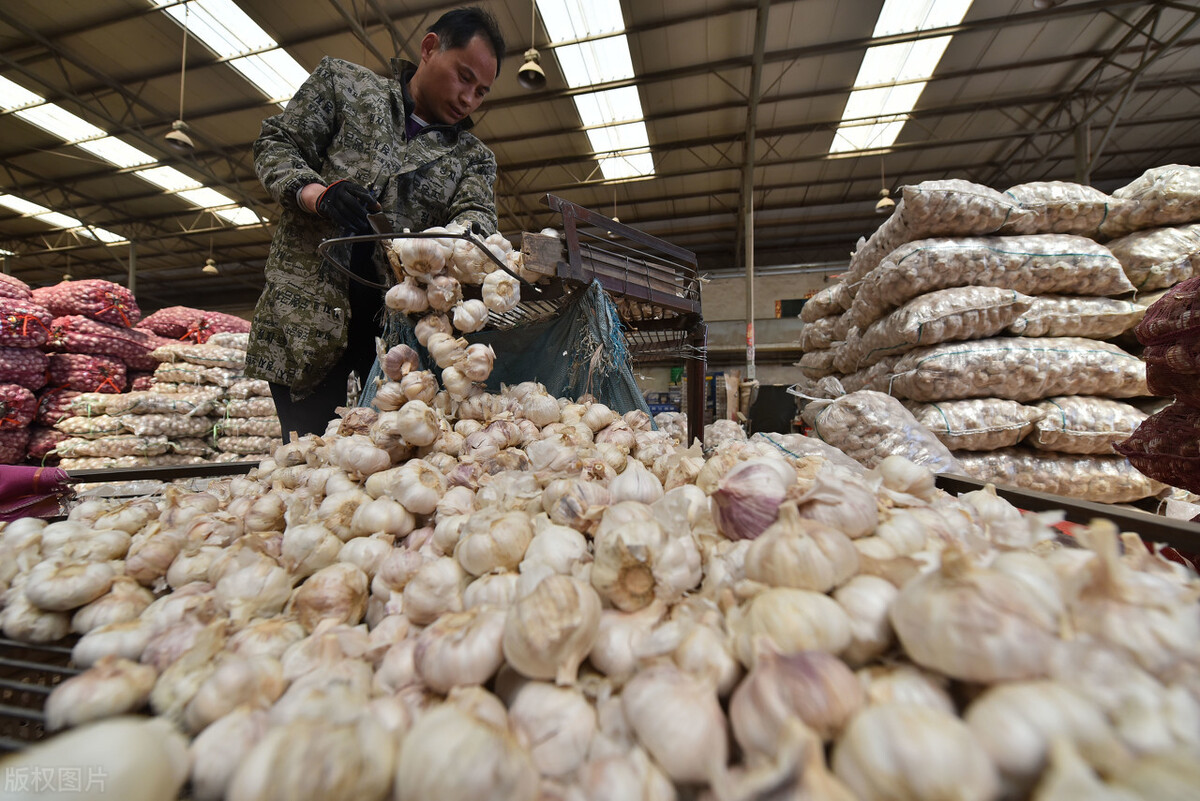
pixel 347 204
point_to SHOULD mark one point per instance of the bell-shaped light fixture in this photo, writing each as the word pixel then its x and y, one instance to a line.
pixel 531 75
pixel 178 138
pixel 885 204
pixel 209 268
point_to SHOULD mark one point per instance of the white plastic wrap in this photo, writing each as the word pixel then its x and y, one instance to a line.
pixel 1167 195
pixel 99 425
pixel 201 355
pixel 250 427
pixel 192 446
pixel 1104 479
pixel 249 388
pixel 799 446
pixel 1068 316
pixel 167 425
pixel 230 339
pixel 148 402
pixel 89 404
pixel 186 373
pixel 722 432
pixel 246 445
pixel 241 457
pixel 250 407
pixel 870 426
pixel 877 377
pixel 106 462
pixel 1060 207
pixel 977 424
pixel 816 364
pixel 818 335
pixel 1019 368
pixel 1079 424
pixel 945 315
pixel 827 302
pixel 116 445
pixel 1034 265
pixel 1160 257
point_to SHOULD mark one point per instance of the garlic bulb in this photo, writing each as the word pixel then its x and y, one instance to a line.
pixel 420 256
pixel 358 456
pixel 791 621
pixel 125 640
pixel 813 686
pixel 1069 778
pixel 317 759
pixel 338 592
pixel 625 561
pixel 417 486
pixel 1017 722
pixel 840 499
pixel 460 649
pixel 486 761
pixel 389 397
pixel 470 315
pixel 549 632
pixel 540 408
pixel 430 324
pixel 397 669
pixel 435 589
pixel 867 600
pixel 468 264
pixel 501 292
pixel 419 385
pixel 635 483
pixel 217 751
pixel 496 589
pixel 575 502
pixel 407 297
pixel 900 752
pixel 257 681
pixel 446 350
pixel 557 723
pixel 620 637
pixel 492 540
pixel 417 423
pixel 113 686
pixel 748 497
pixel 367 553
pixel 307 548
pixel 477 365
pixel 124 601
pixel 399 361
pixel 799 553
pixel 131 758
pixel 57 585
pixel 270 637
pixel 678 719
pixel 980 624
pixel 559 547
pixel 253 588
pixel 381 516
pixel 443 293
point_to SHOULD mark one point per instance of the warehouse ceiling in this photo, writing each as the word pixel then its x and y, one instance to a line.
pixel 1074 90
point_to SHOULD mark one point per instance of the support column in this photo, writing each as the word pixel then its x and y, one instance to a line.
pixel 133 267
pixel 760 38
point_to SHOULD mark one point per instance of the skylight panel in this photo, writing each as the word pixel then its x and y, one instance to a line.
pixel 239 216
pixel 275 73
pixel 4 252
pixel 116 152
pixel 168 178
pixel 21 206
pixel 205 198
pixel 613 117
pixel 60 122
pixel 14 96
pixel 58 220
pixel 107 237
pixel 874 116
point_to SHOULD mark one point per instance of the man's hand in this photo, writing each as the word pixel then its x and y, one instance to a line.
pixel 347 204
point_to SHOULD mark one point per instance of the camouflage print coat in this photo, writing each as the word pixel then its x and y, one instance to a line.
pixel 348 122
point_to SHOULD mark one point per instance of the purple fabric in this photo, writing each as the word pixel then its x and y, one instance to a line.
pixel 28 491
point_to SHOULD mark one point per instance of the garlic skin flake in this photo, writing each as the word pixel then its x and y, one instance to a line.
pixel 900 752
pixel 549 632
pixel 678 719
pixel 454 754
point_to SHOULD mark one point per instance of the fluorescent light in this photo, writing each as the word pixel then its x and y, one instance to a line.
pixel 876 113
pixel 107 237
pixel 168 178
pixel 240 216
pixel 21 206
pixel 4 252
pixel 204 197
pixel 275 73
pixel 116 152
pixel 613 117
pixel 14 96
pixel 58 220
pixel 60 122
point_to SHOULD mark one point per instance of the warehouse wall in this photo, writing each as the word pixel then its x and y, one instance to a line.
pixel 725 298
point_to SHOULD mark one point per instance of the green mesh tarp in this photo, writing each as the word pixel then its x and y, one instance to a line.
pixel 579 351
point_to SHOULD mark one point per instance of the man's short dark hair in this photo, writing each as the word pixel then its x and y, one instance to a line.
pixel 456 29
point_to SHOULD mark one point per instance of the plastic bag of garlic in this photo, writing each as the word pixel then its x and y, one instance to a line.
pixel 574 608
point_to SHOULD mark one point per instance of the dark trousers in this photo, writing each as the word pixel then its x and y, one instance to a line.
pixel 312 413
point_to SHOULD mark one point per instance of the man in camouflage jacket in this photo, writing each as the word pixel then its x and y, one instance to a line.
pixel 406 141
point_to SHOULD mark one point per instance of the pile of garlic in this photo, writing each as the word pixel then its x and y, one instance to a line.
pixel 521 597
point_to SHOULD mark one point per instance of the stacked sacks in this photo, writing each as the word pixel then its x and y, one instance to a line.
pixel 1167 444
pixel 193 325
pixel 23 330
pixel 987 314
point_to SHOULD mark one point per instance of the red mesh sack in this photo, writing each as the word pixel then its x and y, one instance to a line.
pixel 54 405
pixel 173 322
pixel 95 298
pixel 42 442
pixel 1164 381
pixel 12 445
pixel 14 288
pixel 24 366
pixel 1166 446
pixel 23 324
pixel 1173 317
pixel 17 406
pixel 217 323
pixel 79 334
pixel 86 372
pixel 139 381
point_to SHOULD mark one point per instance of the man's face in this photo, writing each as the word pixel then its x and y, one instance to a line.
pixel 450 84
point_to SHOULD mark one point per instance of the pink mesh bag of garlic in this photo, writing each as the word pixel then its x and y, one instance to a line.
pixel 17 406
pixel 173 322
pixel 42 442
pixel 86 372
pixel 12 445
pixel 14 288
pixel 24 366
pixel 23 324
pixel 56 404
pixel 95 298
pixel 79 334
